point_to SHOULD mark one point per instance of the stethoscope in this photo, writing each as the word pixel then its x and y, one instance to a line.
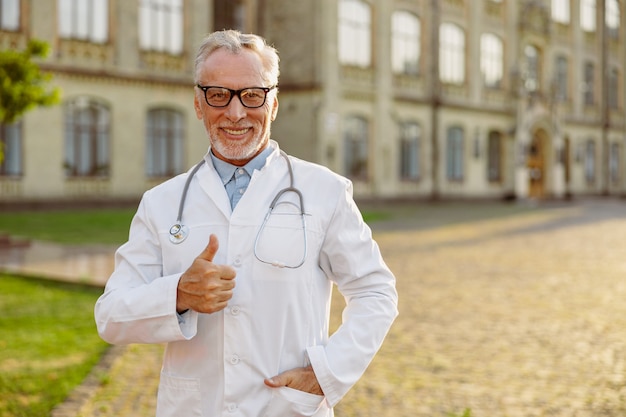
pixel 179 231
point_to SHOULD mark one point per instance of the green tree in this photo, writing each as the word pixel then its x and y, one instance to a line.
pixel 23 85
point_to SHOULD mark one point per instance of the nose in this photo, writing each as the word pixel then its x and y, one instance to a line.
pixel 235 111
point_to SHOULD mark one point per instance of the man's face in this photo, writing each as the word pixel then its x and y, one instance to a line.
pixel 237 133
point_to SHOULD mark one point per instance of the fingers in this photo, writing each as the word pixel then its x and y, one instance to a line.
pixel 301 379
pixel 211 249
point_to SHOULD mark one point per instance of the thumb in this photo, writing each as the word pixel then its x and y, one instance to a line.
pixel 209 252
pixel 277 381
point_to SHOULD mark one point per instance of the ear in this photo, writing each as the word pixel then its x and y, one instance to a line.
pixel 274 109
pixel 197 106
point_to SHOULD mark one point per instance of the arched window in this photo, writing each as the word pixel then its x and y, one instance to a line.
pixel 355 141
pixel 590 161
pixel 561 78
pixel 10 15
pixel 588 15
pixel 494 156
pixel 11 143
pixel 161 26
pixel 533 68
pixel 451 54
pixel 405 43
pixel 410 138
pixel 612 15
pixel 164 143
pixel 87 126
pixel 355 42
pixel 455 154
pixel 86 20
pixel 561 11
pixel 491 59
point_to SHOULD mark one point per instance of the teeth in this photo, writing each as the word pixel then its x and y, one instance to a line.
pixel 236 132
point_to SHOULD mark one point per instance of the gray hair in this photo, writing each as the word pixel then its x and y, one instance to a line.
pixel 235 42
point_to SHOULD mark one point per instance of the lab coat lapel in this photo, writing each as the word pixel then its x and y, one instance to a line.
pixel 212 185
pixel 262 188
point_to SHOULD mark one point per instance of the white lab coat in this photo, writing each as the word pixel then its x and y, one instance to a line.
pixel 214 364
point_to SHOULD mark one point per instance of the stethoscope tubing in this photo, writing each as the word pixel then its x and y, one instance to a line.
pixel 179 232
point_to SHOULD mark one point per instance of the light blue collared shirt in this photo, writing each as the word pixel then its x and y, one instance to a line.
pixel 236 179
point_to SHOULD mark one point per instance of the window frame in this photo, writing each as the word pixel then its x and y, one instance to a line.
pixel 165 141
pixel 87 138
pixel 161 26
pixel 356 147
pixel 13 22
pixel 491 60
pixel 354 35
pixel 455 154
pixel 11 141
pixel 452 44
pixel 410 146
pixel 84 20
pixel 405 44
pixel 495 146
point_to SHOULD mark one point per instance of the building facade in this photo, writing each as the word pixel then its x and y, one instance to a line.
pixel 408 98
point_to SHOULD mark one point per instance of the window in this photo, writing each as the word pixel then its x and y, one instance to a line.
pixel 9 15
pixel 355 41
pixel 560 11
pixel 11 143
pixel 614 163
pixel 614 89
pixel 229 14
pixel 561 78
pixel 588 15
pixel 588 85
pixel 164 143
pixel 612 18
pixel 454 154
pixel 452 54
pixel 531 82
pixel 161 26
pixel 410 135
pixel 85 20
pixel 87 125
pixel 405 50
pixel 590 161
pixel 491 59
pixel 494 156
pixel 355 147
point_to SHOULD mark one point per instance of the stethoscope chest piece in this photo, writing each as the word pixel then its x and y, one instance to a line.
pixel 178 233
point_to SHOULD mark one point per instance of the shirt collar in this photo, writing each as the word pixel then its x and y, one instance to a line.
pixel 226 170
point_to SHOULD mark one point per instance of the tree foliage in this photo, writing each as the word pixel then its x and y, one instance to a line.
pixel 23 85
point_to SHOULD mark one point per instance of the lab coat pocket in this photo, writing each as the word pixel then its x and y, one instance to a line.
pixel 282 238
pixel 178 397
pixel 293 403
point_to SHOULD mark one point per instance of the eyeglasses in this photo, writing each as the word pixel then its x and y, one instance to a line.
pixel 252 98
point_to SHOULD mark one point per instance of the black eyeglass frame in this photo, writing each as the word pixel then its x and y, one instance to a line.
pixel 234 93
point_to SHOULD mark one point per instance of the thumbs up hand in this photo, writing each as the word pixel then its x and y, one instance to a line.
pixel 205 287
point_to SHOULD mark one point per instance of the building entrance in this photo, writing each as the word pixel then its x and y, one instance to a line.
pixel 536 166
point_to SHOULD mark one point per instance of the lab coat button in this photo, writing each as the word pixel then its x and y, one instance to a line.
pixel 237 262
pixel 234 359
pixel 235 310
pixel 232 407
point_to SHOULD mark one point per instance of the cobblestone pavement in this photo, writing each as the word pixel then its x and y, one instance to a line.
pixel 518 315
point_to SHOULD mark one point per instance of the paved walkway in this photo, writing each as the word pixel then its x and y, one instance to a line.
pixel 507 311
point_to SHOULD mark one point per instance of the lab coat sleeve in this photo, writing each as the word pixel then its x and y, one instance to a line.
pixel 352 259
pixel 139 304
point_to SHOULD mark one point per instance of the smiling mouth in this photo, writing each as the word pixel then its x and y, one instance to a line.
pixel 236 132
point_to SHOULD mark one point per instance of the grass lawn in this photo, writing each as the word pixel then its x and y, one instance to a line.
pixel 49 341
pixel 97 226
pixel 48 345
